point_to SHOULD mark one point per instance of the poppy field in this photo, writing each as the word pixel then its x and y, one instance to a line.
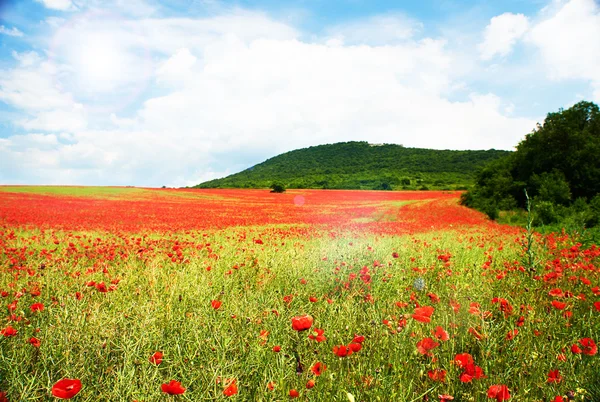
pixel 129 294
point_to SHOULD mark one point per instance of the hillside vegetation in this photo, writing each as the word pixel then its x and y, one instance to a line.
pixel 360 165
pixel 559 166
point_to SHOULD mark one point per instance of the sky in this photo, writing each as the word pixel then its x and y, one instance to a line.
pixel 173 93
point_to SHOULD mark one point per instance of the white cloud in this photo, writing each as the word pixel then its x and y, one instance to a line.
pixel 34 87
pixel 240 88
pixel 501 35
pixel 177 68
pixel 10 32
pixel 62 5
pixel 376 30
pixel 568 39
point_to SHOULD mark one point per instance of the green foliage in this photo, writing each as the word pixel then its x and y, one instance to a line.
pixel 557 163
pixel 360 165
pixel 277 188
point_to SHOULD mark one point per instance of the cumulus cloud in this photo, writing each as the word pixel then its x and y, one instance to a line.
pixel 501 34
pixel 567 37
pixel 62 5
pixel 10 32
pixel 376 30
pixel 226 92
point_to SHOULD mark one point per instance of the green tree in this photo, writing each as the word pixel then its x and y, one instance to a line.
pixel 277 188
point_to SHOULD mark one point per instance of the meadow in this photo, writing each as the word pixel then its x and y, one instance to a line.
pixel 129 294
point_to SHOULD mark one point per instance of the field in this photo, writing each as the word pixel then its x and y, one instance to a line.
pixel 193 295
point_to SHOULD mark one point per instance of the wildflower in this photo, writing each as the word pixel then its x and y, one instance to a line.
pixel 318 368
pixel 355 347
pixel 423 314
pixel 441 334
pixel 276 349
pixel 499 392
pixel 554 377
pixel 437 375
pixel 317 335
pixel 310 384
pixel 66 388
pixel 35 342
pixel 216 304
pixel 231 389
pixel 425 345
pixel 302 323
pixel 589 346
pixel 156 358
pixel 37 307
pixel 8 331
pixel 172 388
pixel 342 351
pixel 294 394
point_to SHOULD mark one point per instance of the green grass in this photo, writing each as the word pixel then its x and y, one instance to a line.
pixel 162 303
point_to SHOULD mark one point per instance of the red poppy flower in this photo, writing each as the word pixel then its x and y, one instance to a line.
pixel 445 398
pixel 3 397
pixel 271 386
pixel 317 335
pixel 313 299
pixel 589 346
pixel 9 331
pixel 156 358
pixel 318 368
pixel 423 314
pixel 101 287
pixel 355 347
pixel 35 342
pixel 276 349
pixel 441 334
pixel 511 334
pixel 499 392
pixel 302 323
pixel 232 389
pixel 172 388
pixel 597 305
pixel 558 399
pixel 433 297
pixel 462 360
pixel 558 304
pixel 342 351
pixel 294 393
pixel 556 292
pixel 37 307
pixel 358 339
pixel 554 376
pixel 472 372
pixel 575 349
pixel 437 375
pixel 216 304
pixel 66 388
pixel 425 345
pixel 310 384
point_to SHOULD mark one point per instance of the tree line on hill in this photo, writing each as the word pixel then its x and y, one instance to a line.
pixel 558 164
pixel 360 165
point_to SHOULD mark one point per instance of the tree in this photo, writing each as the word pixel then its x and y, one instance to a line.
pixel 557 163
pixel 277 188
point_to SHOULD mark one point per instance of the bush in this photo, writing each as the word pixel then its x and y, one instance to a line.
pixel 277 188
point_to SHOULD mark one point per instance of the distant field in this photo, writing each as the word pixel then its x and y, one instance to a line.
pixel 141 294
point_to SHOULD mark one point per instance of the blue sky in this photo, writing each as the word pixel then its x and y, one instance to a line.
pixel 150 93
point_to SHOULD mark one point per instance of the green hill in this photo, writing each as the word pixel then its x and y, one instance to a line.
pixel 360 165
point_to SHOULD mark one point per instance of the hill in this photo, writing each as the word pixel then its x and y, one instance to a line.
pixel 360 165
